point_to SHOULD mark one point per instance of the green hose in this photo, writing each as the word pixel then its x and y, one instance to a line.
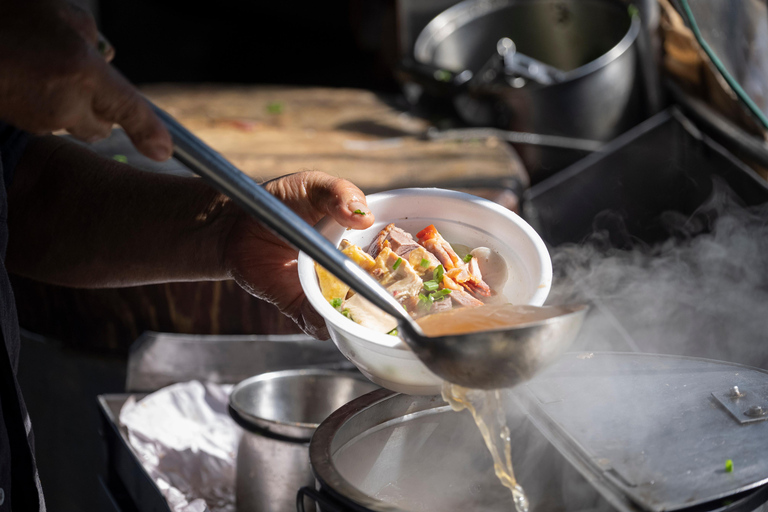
pixel 743 96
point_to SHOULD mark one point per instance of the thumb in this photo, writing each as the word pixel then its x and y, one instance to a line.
pixel 314 194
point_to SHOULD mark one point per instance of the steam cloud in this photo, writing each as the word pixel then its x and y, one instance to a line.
pixel 703 292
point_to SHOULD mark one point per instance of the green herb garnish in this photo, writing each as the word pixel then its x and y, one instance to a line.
pixel 120 158
pixel 275 107
pixel 359 212
pixel 431 286
pixel 467 258
pixel 346 313
pixel 393 332
pixel 441 75
pixel 336 302
pixel 729 466
pixel 397 263
pixel 437 275
pixel 425 301
pixel 440 294
pixel 424 262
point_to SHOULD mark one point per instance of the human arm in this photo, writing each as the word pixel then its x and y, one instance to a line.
pixel 77 219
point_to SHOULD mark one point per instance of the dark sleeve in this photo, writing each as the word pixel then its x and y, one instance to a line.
pixel 12 144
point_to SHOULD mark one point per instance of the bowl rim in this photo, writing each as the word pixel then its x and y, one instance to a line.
pixel 385 342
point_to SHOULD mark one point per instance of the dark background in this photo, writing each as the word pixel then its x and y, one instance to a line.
pixel 338 43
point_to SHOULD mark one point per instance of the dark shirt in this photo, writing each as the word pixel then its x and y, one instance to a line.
pixel 19 483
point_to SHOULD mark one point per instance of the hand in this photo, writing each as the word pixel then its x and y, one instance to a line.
pixel 266 266
pixel 54 75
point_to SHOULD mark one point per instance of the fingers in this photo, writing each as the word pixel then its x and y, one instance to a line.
pixel 340 199
pixel 116 100
pixel 81 21
pixel 90 129
pixel 314 194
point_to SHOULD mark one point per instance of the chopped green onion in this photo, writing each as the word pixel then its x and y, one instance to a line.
pixel 437 275
pixel 120 158
pixel 393 332
pixel 467 258
pixel 425 301
pixel 439 294
pixel 441 75
pixel 336 302
pixel 275 107
pixel 729 466
pixel 346 313
pixel 397 263
pixel 359 212
pixel 431 286
pixel 424 262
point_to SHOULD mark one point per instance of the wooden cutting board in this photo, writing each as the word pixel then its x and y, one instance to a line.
pixel 267 132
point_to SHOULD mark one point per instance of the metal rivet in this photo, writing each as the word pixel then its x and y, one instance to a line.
pixel 756 411
pixel 734 392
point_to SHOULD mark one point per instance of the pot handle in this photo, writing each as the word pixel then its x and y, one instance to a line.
pixel 320 499
pixel 434 78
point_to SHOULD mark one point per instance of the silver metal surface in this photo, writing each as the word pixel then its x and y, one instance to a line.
pixel 653 427
pixel 158 359
pixel 517 64
pixel 279 412
pixel 501 358
pixel 516 353
pixel 535 139
pixel 747 406
pixel 640 431
pixel 292 403
pixel 590 41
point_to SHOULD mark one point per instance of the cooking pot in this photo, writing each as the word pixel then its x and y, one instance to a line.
pixel 597 95
pixel 279 411
pixel 597 431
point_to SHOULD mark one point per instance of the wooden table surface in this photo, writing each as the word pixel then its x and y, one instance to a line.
pixel 267 132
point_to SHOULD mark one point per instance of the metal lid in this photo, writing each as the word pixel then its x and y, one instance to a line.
pixel 643 432
pixel 658 428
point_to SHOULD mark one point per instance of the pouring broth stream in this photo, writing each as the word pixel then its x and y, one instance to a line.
pixel 490 419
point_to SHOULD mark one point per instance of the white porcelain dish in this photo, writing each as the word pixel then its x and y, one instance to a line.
pixel 461 219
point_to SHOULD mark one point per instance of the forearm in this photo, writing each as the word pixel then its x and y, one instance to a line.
pixel 77 219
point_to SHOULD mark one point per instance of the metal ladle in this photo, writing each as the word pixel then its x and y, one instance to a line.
pixel 485 360
pixel 518 64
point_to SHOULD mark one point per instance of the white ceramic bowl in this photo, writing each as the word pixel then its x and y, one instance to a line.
pixel 461 219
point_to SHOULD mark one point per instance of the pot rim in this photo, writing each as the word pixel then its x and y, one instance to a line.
pixel 321 458
pixel 453 17
pixel 290 430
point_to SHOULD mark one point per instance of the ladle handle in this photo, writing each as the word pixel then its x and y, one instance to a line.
pixel 254 199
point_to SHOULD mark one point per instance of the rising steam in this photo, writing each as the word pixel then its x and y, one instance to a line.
pixel 703 292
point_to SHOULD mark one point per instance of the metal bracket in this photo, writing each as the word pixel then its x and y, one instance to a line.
pixel 745 405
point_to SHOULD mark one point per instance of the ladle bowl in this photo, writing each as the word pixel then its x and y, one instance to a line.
pixel 500 358
pixel 482 360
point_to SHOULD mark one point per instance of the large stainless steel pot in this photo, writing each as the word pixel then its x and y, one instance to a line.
pixel 610 431
pixel 279 412
pixel 591 41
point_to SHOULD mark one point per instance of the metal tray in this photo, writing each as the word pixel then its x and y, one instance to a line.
pixel 664 164
pixel 130 486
